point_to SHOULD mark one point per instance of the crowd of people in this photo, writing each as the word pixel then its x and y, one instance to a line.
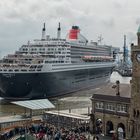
pixel 51 132
pixel 45 131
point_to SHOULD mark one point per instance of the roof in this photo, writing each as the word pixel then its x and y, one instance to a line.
pixel 125 90
pixel 111 98
pixel 35 104
pixel 70 115
pixel 106 92
pixel 16 118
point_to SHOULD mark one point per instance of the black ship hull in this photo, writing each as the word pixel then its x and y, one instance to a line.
pixel 51 84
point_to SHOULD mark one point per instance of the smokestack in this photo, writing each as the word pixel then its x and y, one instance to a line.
pixel 43 33
pixel 59 31
pixel 73 33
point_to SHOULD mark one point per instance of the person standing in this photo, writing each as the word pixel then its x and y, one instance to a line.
pixel 114 136
pixel 95 138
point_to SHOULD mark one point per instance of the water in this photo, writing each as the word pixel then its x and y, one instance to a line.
pixel 116 76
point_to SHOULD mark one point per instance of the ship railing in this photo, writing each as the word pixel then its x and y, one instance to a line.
pixel 97 58
pixel 49 42
pixel 20 68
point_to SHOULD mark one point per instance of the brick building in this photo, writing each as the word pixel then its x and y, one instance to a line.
pixel 121 109
pixel 111 106
pixel 134 120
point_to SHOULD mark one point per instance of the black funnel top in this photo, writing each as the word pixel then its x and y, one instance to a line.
pixel 59 28
pixel 44 27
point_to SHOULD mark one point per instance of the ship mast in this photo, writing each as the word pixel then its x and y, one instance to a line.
pixel 100 38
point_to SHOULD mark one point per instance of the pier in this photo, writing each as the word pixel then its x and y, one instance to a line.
pixel 77 103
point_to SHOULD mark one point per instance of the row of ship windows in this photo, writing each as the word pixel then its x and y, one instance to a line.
pixel 51 42
pixel 91 48
pixel 46 53
pixel 63 48
pixel 85 50
pixel 58 53
pixel 16 70
pixel 43 49
pixel 32 68
pixel 50 52
pixel 111 107
pixel 57 61
pixel 46 44
pixel 93 53
pixel 58 56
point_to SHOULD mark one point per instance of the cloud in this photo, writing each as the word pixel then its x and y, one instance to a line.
pixel 138 21
pixel 108 22
pixel 21 20
pixel 131 37
pixel 121 4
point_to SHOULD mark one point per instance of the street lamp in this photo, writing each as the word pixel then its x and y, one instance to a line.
pixel 58 114
pixel 57 103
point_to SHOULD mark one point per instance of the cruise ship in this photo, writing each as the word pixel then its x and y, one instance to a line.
pixel 52 67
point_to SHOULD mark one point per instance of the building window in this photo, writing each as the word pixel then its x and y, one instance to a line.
pixel 134 113
pixel 138 113
pixel 99 105
pixel 121 108
pixel 138 126
pixel 110 107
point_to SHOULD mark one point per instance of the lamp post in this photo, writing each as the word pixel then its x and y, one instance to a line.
pixel 57 103
pixel 92 118
pixel 58 114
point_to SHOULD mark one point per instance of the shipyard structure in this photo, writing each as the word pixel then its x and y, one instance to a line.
pixel 124 66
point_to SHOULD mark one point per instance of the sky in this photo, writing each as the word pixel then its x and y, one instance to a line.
pixel 22 20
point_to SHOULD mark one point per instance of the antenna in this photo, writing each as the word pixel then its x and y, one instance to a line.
pixel 100 38
pixel 124 49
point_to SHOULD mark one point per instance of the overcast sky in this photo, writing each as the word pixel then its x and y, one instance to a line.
pixel 22 20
